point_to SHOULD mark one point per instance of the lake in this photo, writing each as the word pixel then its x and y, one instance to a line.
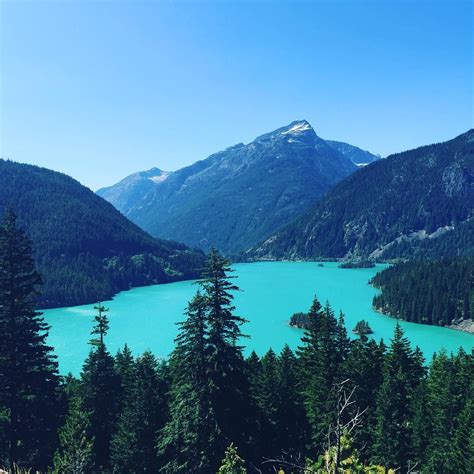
pixel 145 317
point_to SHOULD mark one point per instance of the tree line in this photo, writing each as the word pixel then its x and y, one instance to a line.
pixel 439 292
pixel 83 247
pixel 334 404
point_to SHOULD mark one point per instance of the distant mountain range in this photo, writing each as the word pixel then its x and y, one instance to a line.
pixel 236 198
pixel 419 203
pixel 84 248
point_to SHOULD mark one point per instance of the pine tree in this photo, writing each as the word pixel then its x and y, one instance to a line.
pixel 463 458
pixel 440 446
pixel 126 370
pixel 268 402
pixel 144 414
pixel 28 370
pixel 395 404
pixel 100 391
pixel 291 420
pixel 321 360
pixel 232 462
pixel 226 375
pixel 364 371
pixel 189 436
pixel 74 455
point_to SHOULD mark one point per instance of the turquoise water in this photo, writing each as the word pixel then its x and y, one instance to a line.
pixel 145 317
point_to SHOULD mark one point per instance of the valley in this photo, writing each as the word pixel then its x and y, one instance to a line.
pixel 145 318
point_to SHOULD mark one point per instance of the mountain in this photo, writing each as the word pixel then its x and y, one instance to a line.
pixel 133 188
pixel 84 248
pixel 237 197
pixel 419 203
pixel 358 156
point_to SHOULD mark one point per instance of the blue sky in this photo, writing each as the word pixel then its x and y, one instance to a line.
pixel 99 90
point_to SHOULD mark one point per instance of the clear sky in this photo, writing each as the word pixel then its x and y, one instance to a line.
pixel 99 90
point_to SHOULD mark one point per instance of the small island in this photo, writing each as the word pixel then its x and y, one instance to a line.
pixel 362 328
pixel 357 264
pixel 299 320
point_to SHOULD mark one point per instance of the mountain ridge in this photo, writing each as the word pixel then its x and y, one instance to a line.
pixel 236 197
pixel 419 191
pixel 84 248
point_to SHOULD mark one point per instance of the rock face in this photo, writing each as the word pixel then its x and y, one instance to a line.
pixel 84 248
pixel 414 204
pixel 356 155
pixel 237 197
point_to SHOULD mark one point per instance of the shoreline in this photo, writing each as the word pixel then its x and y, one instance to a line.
pixel 463 326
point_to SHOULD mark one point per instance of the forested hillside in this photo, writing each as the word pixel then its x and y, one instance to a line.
pixel 430 292
pixel 416 203
pixel 237 197
pixel 335 405
pixel 84 248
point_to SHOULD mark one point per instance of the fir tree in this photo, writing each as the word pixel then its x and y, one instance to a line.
pixel 321 359
pixel 364 371
pixel 291 420
pixel 144 414
pixel 232 462
pixel 191 431
pixel 440 444
pixel 74 455
pixel 268 402
pixel 28 370
pixel 100 390
pixel 395 404
pixel 225 363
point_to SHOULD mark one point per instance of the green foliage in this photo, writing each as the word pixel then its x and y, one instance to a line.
pixel 375 211
pixel 88 251
pixel 343 459
pixel 29 402
pixel 321 355
pixel 100 392
pixel 362 328
pixel 402 373
pixel 142 415
pixel 430 292
pixel 74 455
pixel 300 320
pixel 135 414
pixel 232 462
pixel 209 387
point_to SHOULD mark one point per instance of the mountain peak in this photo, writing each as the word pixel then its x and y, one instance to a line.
pixel 297 130
pixel 297 127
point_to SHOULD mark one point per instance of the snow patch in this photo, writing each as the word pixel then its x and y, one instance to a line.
pixel 160 178
pixel 298 128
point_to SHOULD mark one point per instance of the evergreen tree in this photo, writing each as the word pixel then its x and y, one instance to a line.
pixel 320 369
pixel 268 402
pixel 440 444
pixel 254 420
pixel 74 455
pixel 395 404
pixel 133 445
pixel 232 462
pixel 364 371
pixel 226 376
pixel 291 420
pixel 463 458
pixel 28 370
pixel 100 390
pixel 190 434
pixel 127 372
